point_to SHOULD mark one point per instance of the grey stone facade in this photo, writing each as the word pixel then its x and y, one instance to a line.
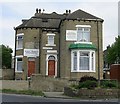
pixel 36 30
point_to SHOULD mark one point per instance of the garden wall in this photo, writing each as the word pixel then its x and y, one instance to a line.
pixel 15 84
pixel 48 84
pixel 6 74
pixel 95 93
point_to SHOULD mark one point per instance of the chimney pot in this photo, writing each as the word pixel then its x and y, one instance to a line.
pixel 69 11
pixel 66 11
pixel 37 10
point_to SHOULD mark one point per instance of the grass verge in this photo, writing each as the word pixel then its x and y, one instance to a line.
pixel 25 92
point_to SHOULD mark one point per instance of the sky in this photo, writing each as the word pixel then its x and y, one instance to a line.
pixel 12 12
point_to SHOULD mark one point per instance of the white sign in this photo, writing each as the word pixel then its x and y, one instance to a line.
pixel 71 35
pixel 31 52
pixel 47 48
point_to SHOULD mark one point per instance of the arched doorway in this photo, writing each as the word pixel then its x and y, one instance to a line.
pixel 51 66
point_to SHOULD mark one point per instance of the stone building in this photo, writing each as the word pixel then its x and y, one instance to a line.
pixel 67 45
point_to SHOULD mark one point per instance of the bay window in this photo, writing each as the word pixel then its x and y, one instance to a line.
pixel 83 61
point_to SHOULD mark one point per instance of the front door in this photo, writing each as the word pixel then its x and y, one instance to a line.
pixel 51 67
pixel 31 68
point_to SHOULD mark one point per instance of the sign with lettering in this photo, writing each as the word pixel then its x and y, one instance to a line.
pixel 71 35
pixel 31 52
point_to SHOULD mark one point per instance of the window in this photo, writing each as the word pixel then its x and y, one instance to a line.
pixel 50 40
pixel 19 64
pixel 83 33
pixel 19 41
pixel 74 60
pixel 92 62
pixel 83 61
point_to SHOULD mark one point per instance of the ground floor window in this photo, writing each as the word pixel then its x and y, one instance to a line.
pixel 82 61
pixel 19 64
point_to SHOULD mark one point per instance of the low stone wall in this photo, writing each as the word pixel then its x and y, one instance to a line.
pixel 96 93
pixel 48 84
pixel 15 84
pixel 6 74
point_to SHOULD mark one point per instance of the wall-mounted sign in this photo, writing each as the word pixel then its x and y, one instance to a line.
pixel 31 52
pixel 47 48
pixel 71 35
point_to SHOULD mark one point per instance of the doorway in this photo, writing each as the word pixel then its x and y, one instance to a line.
pixel 31 67
pixel 51 66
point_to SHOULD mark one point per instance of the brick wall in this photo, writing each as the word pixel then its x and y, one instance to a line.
pixel 115 72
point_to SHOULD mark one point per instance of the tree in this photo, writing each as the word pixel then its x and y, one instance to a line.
pixel 5 51
pixel 113 54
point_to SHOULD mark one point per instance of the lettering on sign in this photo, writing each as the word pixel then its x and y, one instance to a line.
pixel 31 52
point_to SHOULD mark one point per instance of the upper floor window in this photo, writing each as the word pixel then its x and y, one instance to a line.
pixel 50 40
pixel 19 41
pixel 83 33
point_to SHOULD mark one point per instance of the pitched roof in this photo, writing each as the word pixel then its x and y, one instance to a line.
pixel 36 23
pixel 79 14
pixel 53 20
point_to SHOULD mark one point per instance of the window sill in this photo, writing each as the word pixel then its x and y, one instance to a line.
pixel 84 71
pixel 82 42
pixel 18 71
pixel 19 48
pixel 50 45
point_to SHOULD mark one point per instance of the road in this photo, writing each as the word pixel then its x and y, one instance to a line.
pixel 24 99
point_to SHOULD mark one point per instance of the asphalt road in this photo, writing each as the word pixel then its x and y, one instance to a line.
pixel 26 99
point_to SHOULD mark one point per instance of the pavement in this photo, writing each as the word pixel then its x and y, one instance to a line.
pixel 56 95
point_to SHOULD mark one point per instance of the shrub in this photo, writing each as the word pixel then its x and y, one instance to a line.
pixel 86 78
pixel 108 84
pixel 74 86
pixel 88 84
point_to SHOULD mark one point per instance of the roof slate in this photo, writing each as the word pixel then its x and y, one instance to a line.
pixel 54 19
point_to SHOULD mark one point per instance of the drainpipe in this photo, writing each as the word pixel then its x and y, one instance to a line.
pixel 59 57
pixel 39 49
pixel 15 52
pixel 98 54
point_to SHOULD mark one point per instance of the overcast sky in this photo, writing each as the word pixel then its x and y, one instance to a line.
pixel 11 14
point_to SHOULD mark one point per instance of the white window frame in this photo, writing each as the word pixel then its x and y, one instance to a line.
pixel 83 30
pixel 78 61
pixel 49 44
pixel 21 34
pixel 21 56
